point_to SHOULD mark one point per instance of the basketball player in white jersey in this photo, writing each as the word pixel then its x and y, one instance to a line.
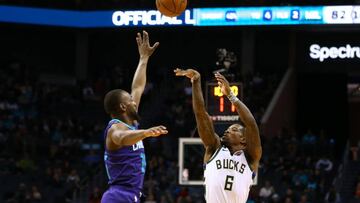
pixel 230 161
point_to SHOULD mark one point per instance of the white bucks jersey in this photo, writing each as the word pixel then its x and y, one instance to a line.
pixel 227 177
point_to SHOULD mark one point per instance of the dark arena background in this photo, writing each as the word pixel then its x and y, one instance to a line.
pixel 295 64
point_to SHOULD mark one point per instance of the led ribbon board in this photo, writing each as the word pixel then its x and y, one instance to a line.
pixel 237 16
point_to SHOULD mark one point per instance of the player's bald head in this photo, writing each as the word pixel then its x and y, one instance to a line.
pixel 112 100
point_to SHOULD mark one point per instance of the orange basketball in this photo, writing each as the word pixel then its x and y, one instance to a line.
pixel 171 8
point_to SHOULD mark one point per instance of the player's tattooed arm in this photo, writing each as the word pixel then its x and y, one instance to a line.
pixel 253 141
pixel 145 51
pixel 204 123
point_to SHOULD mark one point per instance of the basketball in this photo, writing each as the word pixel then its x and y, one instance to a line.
pixel 171 8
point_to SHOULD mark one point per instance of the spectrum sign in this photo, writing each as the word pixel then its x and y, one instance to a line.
pixel 323 53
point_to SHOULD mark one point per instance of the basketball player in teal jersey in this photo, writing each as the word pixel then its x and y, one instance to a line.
pixel 124 151
pixel 230 161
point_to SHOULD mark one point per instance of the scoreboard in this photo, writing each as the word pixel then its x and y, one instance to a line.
pixel 218 105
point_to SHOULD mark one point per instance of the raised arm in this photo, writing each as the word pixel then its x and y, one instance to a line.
pixel 205 125
pixel 139 80
pixel 253 142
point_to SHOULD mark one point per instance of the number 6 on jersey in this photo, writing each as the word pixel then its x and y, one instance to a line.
pixel 229 182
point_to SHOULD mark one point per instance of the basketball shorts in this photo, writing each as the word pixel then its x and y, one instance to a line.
pixel 117 194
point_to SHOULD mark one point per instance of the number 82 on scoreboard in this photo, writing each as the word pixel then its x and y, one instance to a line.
pixel 341 14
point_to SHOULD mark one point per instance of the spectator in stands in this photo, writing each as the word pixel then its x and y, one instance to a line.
pixel 308 142
pixel 289 196
pixel 357 191
pixel 183 196
pixel 22 194
pixel 288 200
pixel 35 194
pixel 57 181
pixel 275 198
pixel 266 191
pixel 88 92
pixel 354 152
pixel 26 164
pixel 304 199
pixel 73 178
pixel 312 184
pixel 95 196
pixel 150 198
pixel 332 196
pixel 166 198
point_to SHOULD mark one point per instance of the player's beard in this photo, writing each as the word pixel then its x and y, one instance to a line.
pixel 134 115
pixel 224 142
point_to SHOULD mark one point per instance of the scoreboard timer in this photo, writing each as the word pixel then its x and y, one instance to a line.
pixel 218 106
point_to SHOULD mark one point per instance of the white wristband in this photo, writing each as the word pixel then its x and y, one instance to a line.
pixel 232 97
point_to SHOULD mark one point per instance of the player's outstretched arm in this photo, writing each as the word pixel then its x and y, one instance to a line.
pixel 121 136
pixel 204 123
pixel 253 141
pixel 145 51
